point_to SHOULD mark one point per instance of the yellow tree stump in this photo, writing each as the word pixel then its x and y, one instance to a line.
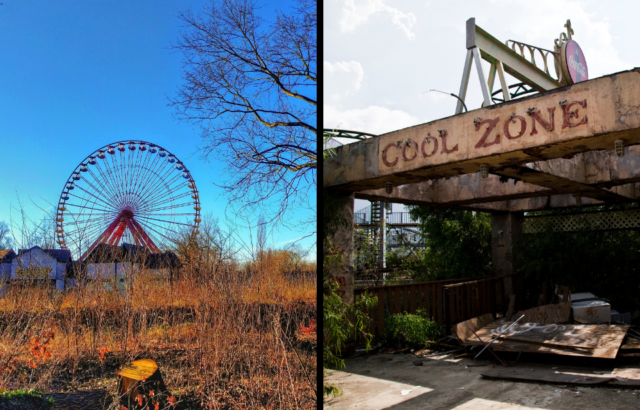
pixel 141 386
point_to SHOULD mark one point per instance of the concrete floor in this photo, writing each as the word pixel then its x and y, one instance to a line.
pixel 393 381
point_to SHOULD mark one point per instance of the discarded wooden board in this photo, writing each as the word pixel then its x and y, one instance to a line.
pixel 629 377
pixel 464 333
pixel 572 340
pixel 630 343
pixel 548 375
pixel 547 314
pixel 626 376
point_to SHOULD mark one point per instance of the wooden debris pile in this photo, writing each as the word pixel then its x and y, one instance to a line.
pixel 544 330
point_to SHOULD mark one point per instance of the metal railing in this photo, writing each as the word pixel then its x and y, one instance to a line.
pixel 392 218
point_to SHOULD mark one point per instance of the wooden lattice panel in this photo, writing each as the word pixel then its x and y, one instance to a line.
pixel 590 221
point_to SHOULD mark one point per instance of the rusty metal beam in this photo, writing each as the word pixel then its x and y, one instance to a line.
pixel 587 116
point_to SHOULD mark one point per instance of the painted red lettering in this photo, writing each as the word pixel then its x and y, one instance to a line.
pixel 415 152
pixel 567 114
pixel 424 145
pixel 342 281
pixel 492 124
pixel 384 155
pixel 535 116
pixel 445 150
pixel 523 127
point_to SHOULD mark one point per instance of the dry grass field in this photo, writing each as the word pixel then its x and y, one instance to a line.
pixel 224 336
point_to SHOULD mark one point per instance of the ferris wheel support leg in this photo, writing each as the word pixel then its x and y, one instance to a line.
pixel 136 235
pixel 115 238
pixel 144 237
pixel 107 233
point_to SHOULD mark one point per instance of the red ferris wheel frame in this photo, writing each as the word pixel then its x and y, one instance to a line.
pixel 128 213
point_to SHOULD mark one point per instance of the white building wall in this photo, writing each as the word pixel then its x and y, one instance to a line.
pixel 101 270
pixel 127 268
pixel 37 258
pixel 5 271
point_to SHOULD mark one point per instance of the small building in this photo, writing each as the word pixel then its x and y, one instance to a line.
pixel 162 264
pixel 6 258
pixel 41 264
pixel 113 264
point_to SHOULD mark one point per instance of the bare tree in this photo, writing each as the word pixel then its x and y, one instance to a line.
pixel 262 234
pixel 250 85
pixel 5 239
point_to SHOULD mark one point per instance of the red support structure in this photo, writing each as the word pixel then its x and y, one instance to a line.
pixel 114 232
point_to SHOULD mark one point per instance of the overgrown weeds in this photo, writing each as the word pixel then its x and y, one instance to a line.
pixel 230 337
pixel 409 330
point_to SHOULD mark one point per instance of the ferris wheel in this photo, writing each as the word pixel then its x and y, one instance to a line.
pixel 128 191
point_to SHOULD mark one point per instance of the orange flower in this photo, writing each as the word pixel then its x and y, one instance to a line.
pixel 172 400
pixel 144 379
pixel 312 327
pixel 103 351
pixel 123 408
pixel 157 406
pixel 151 393
pixel 140 399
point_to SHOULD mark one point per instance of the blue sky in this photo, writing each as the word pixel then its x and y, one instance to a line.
pixel 76 75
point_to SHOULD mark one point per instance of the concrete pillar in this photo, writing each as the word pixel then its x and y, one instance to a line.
pixel 343 243
pixel 506 230
pixel 382 260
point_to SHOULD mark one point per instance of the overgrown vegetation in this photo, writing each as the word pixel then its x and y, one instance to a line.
pixel 226 333
pixel 409 330
pixel 457 245
pixel 341 321
pixel 605 263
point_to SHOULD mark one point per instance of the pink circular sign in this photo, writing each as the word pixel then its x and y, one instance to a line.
pixel 576 63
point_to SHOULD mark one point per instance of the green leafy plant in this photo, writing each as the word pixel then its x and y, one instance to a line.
pixel 341 321
pixel 24 399
pixel 409 330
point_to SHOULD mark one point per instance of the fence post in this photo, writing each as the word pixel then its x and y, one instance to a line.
pixel 447 314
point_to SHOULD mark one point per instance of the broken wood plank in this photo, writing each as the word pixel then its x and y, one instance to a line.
pixel 547 314
pixel 464 333
pixel 597 340
pixel 625 376
pixel 630 344
pixel 536 374
pixel 546 343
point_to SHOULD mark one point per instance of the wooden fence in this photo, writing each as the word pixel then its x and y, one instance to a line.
pixel 394 299
pixel 446 301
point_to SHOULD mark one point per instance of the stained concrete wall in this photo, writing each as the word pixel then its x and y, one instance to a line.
pixel 343 242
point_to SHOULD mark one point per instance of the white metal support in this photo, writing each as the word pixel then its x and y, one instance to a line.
pixel 503 82
pixel 466 72
pixel 492 77
pixel 486 95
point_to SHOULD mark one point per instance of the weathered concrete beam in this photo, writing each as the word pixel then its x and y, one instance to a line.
pixel 457 191
pixel 545 203
pixel 561 185
pixel 597 174
pixel 583 117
